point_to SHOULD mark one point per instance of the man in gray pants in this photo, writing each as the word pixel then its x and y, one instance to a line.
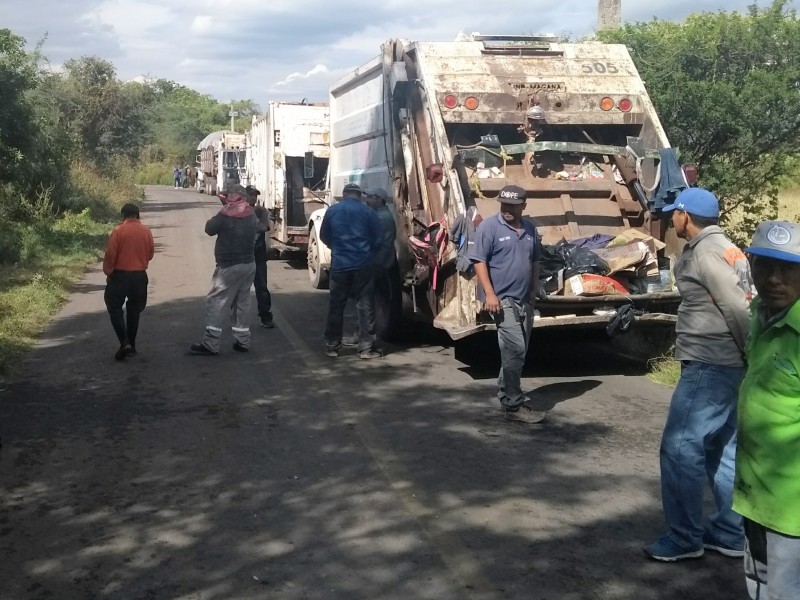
pixel 235 227
pixel 506 256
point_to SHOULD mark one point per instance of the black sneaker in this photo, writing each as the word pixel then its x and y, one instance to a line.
pixel 371 353
pixel 332 351
pixel 123 352
pixel 267 323
pixel 240 348
pixel 201 350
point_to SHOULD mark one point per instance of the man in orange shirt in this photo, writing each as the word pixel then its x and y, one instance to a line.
pixel 130 249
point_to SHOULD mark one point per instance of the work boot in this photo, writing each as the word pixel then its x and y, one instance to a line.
pixel 123 352
pixel 267 322
pixel 240 347
pixel 333 351
pixel 201 350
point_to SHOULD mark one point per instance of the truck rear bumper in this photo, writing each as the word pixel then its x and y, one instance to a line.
pixel 563 322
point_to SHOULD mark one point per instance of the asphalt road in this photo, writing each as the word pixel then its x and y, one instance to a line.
pixel 283 474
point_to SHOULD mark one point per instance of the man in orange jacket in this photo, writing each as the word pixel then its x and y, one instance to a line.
pixel 129 250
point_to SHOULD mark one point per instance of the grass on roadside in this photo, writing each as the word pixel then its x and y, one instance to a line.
pixel 31 292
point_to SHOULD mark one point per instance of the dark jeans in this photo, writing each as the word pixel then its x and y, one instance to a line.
pixel 359 285
pixel 263 297
pixel 122 285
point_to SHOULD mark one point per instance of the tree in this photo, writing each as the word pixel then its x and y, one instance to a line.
pixel 727 89
pixel 17 77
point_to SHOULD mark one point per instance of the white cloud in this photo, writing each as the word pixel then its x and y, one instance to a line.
pixel 318 69
pixel 288 49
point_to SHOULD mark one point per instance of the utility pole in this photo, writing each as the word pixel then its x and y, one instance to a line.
pixel 609 14
pixel 233 114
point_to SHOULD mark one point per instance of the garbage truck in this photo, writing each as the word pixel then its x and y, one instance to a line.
pixel 220 162
pixel 444 126
pixel 287 161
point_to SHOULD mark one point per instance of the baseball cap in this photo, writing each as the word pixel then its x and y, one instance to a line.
pixel 511 194
pixel 696 201
pixel 777 239
pixel 352 188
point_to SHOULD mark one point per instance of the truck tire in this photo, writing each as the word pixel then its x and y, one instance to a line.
pixel 390 325
pixel 316 274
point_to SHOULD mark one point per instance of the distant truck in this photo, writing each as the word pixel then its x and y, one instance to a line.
pixel 443 126
pixel 287 161
pixel 220 162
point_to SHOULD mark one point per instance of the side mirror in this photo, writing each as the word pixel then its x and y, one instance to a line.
pixel 308 165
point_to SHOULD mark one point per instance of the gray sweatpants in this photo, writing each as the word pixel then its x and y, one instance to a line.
pixel 771 564
pixel 230 287
pixel 514 324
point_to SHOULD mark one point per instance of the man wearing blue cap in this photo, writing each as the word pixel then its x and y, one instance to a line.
pixel 506 256
pixel 699 440
pixel 767 491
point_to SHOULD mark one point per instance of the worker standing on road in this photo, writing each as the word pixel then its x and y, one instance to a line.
pixel 699 439
pixel 235 226
pixel 129 251
pixel 384 259
pixel 176 175
pixel 506 256
pixel 263 297
pixel 767 490
pixel 352 231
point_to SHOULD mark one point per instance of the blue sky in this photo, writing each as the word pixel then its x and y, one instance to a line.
pixel 289 49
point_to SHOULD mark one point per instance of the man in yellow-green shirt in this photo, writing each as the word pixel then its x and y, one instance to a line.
pixel 767 487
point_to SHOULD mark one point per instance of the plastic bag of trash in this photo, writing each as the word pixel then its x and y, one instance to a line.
pixel 578 261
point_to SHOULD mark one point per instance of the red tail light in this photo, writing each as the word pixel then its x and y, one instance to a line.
pixel 450 101
pixel 625 105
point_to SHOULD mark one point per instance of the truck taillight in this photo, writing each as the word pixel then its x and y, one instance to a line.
pixel 450 101
pixel 606 104
pixel 625 105
pixel 471 103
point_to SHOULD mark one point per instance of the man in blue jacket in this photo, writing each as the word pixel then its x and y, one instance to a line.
pixel 352 231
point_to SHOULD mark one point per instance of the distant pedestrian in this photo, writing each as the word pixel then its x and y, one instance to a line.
pixel 176 175
pixel 506 257
pixel 129 251
pixel 352 231
pixel 699 439
pixel 767 490
pixel 235 226
pixel 263 297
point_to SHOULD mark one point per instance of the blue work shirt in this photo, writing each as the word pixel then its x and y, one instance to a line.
pixel 352 231
pixel 509 255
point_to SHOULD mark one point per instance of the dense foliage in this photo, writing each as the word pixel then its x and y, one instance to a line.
pixel 727 89
pixel 79 137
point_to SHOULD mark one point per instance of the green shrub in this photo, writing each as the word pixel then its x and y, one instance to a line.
pixel 155 174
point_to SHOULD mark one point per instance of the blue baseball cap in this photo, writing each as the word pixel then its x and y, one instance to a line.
pixel 696 201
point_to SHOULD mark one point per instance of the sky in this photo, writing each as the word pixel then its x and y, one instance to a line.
pixel 289 49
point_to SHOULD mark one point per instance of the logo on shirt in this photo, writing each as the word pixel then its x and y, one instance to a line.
pixel 780 236
pixel 504 239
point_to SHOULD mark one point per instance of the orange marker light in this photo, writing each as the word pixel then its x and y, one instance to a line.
pixel 606 104
pixel 471 103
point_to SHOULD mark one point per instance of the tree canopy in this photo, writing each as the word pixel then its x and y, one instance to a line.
pixel 727 89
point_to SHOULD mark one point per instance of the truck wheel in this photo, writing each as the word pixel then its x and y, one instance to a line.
pixel 316 274
pixel 389 322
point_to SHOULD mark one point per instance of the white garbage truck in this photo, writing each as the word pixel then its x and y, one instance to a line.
pixel 287 161
pixel 444 126
pixel 220 162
